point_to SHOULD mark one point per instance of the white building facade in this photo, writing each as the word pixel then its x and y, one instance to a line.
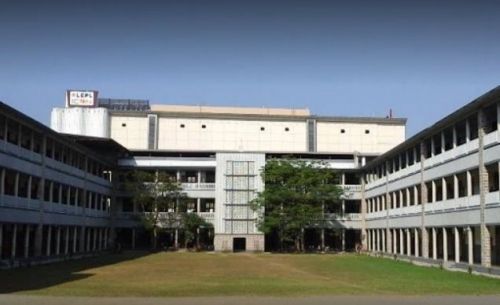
pixel 436 196
pixel 217 153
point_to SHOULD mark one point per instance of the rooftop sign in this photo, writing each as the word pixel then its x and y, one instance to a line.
pixel 81 98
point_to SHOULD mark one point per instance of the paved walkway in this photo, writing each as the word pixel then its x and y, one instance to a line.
pixel 9 299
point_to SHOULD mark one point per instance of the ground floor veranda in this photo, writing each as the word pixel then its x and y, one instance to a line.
pixel 458 244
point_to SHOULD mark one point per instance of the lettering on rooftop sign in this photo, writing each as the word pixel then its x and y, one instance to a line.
pixel 81 98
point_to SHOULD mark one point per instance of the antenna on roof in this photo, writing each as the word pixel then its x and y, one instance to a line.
pixel 390 114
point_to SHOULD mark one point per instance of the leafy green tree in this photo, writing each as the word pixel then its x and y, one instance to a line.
pixel 192 223
pixel 160 197
pixel 294 197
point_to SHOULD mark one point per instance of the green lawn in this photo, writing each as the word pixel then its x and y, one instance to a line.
pixel 203 274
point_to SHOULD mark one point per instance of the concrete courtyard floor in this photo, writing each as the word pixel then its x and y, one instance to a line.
pixel 323 300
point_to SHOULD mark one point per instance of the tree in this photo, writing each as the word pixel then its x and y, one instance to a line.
pixel 160 197
pixel 192 223
pixel 294 197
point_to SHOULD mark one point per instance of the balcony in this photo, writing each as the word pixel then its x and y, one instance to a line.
pixel 351 191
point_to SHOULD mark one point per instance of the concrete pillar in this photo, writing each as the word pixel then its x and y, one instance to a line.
pixel 49 240
pixel 383 237
pixel 408 242
pixel 66 241
pixel 176 239
pixel 388 233
pixel 133 238
pixel 483 190
pixel 455 186
pixel 322 238
pixel 417 254
pixel 457 245
pixel 368 240
pixel 425 243
pixel 395 241
pixel 434 243
pixel 75 237
pixel 88 233
pixel 27 241
pixel 377 240
pixel 374 240
pixel 14 242
pixel 16 184
pixel 2 181
pixel 444 189
pixel 445 245
pixel 51 191
pixel 58 240
pixel 343 239
pixel 401 242
pixel 28 191
pixel 469 183
pixel 423 200
pixel 94 241
pixel 470 245
pixel 434 193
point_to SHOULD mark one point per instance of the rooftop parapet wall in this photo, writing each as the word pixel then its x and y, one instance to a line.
pixel 299 112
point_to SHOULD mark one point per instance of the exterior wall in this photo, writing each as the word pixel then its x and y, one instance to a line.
pixel 130 131
pixel 92 122
pixel 77 223
pixel 234 216
pixel 446 205
pixel 379 139
pixel 232 135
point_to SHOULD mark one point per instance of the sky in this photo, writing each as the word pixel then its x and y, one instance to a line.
pixel 422 59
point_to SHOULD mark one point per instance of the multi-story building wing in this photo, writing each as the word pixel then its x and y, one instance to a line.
pixel 55 191
pixel 436 195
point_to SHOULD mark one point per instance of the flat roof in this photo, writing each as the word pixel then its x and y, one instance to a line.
pixel 488 98
pixel 201 109
pixel 39 127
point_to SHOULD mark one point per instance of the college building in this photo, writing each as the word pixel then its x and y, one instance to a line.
pixel 435 195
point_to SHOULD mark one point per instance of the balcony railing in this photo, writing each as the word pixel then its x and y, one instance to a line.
pixel 198 186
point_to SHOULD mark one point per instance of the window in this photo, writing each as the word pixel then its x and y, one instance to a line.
pixel 367 131
pixel 342 131
pixel 287 129
pixel 203 126
pixel 182 126
pixel 262 129
pixel 124 124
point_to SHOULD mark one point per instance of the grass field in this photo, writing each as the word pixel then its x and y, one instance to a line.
pixel 209 274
